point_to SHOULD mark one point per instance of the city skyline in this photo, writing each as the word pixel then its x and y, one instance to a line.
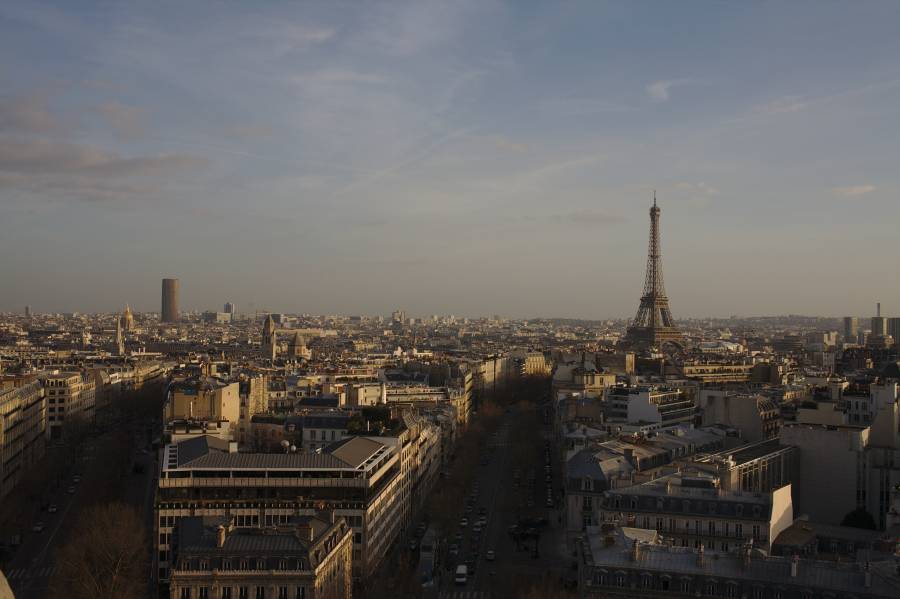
pixel 465 158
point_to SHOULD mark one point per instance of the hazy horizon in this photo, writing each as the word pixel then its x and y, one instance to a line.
pixel 469 158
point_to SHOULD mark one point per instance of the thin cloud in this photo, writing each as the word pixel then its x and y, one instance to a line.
pixel 854 191
pixel 784 105
pixel 126 121
pixel 27 114
pixel 660 91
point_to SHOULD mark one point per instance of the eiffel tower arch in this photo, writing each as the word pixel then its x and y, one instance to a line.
pixel 653 326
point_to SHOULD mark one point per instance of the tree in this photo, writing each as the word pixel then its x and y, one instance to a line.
pixel 105 557
pixel 859 518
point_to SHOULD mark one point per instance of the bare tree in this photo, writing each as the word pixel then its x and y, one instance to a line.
pixel 105 556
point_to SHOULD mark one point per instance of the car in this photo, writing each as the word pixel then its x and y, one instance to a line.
pixel 76 479
pixel 38 527
pixel 464 523
pixel 70 490
pixel 413 544
pixel 454 550
pixel 549 502
pixel 52 508
pixel 530 503
pixel 477 527
pixel 468 509
pixel 489 556
pixel 482 511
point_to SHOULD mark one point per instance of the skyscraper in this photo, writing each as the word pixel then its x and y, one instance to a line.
pixel 893 326
pixel 229 308
pixel 169 312
pixel 851 329
pixel 879 322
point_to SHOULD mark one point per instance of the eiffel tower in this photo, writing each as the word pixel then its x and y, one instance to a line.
pixel 653 326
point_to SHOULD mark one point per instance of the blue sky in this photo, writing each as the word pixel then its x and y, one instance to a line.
pixel 467 157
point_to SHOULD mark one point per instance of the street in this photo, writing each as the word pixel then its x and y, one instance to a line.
pixel 510 489
pixel 33 564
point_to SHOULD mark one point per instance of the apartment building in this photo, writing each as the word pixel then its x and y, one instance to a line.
pixel 204 398
pixel 22 432
pixel 308 557
pixel 635 563
pixel 756 417
pixel 692 509
pixel 70 397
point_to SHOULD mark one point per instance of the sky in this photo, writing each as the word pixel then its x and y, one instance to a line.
pixel 467 157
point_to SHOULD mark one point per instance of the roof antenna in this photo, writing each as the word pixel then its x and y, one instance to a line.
pixel 654 198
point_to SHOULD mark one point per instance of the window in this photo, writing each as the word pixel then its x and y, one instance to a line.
pixel 739 530
pixel 260 592
pixel 620 579
pixel 226 593
pixel 282 564
pixel 756 536
pixel 226 564
pixel 185 594
pixel 685 585
pixel 301 593
pixel 260 564
pixel 282 593
pixel 646 581
pixel 730 590
pixel 243 564
pixel 243 593
pixel 712 528
pixel 204 565
pixel 710 587
pixel 204 593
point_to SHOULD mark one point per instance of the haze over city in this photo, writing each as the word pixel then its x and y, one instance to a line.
pixel 452 157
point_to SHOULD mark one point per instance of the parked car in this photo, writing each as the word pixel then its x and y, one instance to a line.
pixel 70 490
pixel 52 508
pixel 38 527
pixel 489 556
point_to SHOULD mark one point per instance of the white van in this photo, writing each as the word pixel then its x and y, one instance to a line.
pixel 462 574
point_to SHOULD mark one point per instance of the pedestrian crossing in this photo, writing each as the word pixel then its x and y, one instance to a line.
pixel 464 595
pixel 23 573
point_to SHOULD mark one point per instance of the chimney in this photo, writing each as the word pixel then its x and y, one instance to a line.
pixel 700 556
pixel 795 565
pixel 305 532
pixel 220 536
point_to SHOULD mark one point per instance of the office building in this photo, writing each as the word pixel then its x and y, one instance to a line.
pixel 230 309
pixel 851 329
pixel 893 328
pixel 659 406
pixel 170 289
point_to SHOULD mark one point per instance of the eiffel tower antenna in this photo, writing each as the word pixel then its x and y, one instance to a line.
pixel 653 325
